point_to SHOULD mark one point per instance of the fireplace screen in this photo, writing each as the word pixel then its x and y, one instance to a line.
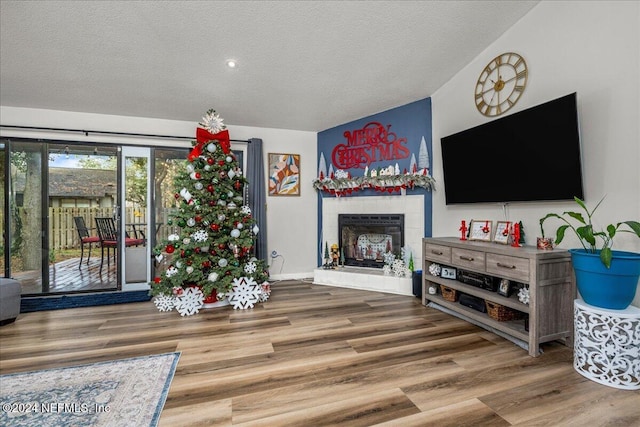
pixel 364 239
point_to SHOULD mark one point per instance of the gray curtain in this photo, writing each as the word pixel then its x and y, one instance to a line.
pixel 257 196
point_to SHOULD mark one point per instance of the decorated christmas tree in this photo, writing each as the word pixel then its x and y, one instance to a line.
pixel 209 255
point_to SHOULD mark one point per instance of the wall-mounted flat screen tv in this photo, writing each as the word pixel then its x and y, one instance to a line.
pixel 531 155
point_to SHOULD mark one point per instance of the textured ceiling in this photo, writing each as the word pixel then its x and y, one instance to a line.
pixel 303 65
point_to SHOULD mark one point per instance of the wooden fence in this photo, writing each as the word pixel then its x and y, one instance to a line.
pixel 62 229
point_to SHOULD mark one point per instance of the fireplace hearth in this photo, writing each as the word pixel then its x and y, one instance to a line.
pixel 365 238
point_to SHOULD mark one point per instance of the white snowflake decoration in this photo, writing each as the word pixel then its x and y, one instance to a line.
pixel 398 267
pixel 245 210
pixel 386 269
pixel 190 302
pixel 435 269
pixel 388 257
pixel 245 293
pixel 212 122
pixel 165 302
pixel 250 267
pixel 523 295
pixel 200 236
pixel 171 271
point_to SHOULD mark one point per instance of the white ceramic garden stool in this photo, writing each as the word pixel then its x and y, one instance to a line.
pixel 607 345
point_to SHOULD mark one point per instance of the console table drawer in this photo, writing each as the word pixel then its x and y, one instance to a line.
pixel 468 259
pixel 437 253
pixel 508 266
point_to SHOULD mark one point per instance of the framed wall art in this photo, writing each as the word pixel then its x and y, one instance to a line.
pixel 502 232
pixel 284 174
pixel 480 229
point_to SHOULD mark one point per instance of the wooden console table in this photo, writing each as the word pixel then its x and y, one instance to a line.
pixel 547 274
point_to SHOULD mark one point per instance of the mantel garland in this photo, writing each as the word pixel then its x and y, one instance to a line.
pixel 345 186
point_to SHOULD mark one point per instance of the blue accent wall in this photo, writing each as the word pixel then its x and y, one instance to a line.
pixel 412 121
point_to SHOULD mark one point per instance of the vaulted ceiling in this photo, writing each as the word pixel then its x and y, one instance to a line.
pixel 302 65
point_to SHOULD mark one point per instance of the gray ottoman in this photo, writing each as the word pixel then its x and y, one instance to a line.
pixel 10 291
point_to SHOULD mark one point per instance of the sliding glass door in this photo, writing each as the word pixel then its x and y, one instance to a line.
pixel 52 195
pixel 25 245
pixel 82 185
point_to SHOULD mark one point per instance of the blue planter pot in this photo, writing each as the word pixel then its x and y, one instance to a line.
pixel 613 288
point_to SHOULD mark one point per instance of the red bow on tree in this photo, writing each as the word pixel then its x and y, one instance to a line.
pixel 203 136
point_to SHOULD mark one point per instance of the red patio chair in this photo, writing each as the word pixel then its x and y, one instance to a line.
pixel 85 237
pixel 109 238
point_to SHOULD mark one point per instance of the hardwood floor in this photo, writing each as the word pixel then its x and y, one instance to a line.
pixel 317 355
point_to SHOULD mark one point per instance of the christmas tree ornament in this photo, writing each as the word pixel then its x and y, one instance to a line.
pixel 239 226
pixel 212 122
pixel 198 185
pixel 204 248
pixel 255 229
pixel 250 267
pixel 185 194
pixel 195 175
pixel 222 262
pixel 189 269
pixel 190 168
pixel 200 236
pixel 211 147
pixel 212 277
pixel 191 222
pixel 231 174
pixel 235 233
pixel 169 249
pixel 231 205
pixel 186 240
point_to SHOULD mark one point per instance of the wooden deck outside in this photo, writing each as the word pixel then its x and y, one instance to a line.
pixel 65 277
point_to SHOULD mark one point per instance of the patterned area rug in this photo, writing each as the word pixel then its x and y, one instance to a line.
pixel 127 392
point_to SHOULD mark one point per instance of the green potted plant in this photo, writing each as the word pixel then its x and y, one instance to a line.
pixel 605 277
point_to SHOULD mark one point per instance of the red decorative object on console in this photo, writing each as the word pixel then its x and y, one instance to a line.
pixel 463 229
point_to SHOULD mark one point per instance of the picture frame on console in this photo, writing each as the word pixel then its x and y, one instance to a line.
pixel 504 288
pixel 502 232
pixel 480 230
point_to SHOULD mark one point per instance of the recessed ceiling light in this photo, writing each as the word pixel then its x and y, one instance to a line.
pixel 231 63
